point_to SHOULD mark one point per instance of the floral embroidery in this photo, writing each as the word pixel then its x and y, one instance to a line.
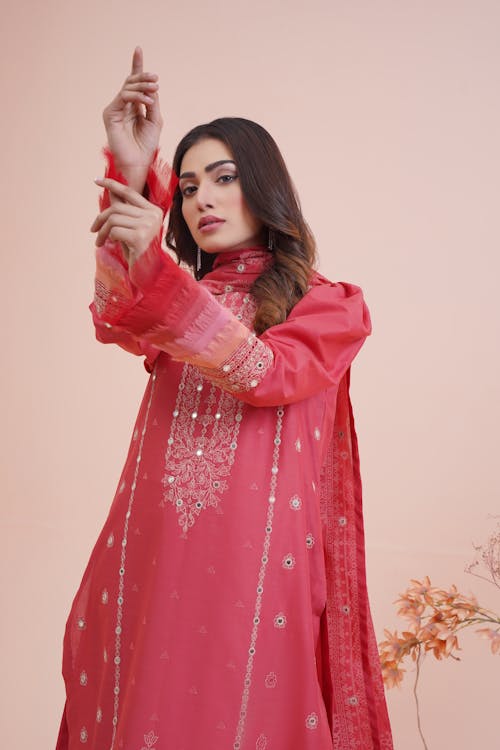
pixel 83 678
pixel 310 541
pixel 261 743
pixel 280 621
pixel 84 735
pixel 295 502
pixel 201 446
pixel 288 562
pixel 204 432
pixel 271 680
pixel 98 716
pixel 150 740
pixel 317 433
pixel 312 721
pixel 298 445
pixel 245 368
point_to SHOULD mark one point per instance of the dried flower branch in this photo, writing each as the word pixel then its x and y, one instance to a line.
pixel 436 617
pixel 487 559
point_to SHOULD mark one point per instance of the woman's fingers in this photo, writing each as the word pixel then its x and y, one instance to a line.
pixel 146 77
pixel 153 112
pixel 120 234
pixel 124 192
pixel 137 60
pixel 136 96
pixel 141 86
pixel 114 222
pixel 117 208
pixel 131 219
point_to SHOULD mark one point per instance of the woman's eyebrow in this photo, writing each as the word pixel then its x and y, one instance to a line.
pixel 208 168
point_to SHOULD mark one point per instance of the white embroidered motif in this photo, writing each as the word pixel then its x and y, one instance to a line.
pixel 105 302
pixel 150 739
pixel 271 680
pixel 201 446
pixel 120 599
pixel 312 721
pixel 280 621
pixel 247 682
pixel 245 368
pixel 203 437
pixel 261 743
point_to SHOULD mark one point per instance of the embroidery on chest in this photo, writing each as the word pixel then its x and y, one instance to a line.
pixel 203 438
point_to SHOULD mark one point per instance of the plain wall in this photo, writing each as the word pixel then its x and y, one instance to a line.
pixel 388 116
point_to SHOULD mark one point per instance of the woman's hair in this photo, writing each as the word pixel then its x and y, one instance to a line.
pixel 270 195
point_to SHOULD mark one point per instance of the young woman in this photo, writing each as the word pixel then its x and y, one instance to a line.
pixel 224 604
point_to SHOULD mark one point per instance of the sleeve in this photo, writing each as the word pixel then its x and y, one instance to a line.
pixel 113 291
pixel 307 353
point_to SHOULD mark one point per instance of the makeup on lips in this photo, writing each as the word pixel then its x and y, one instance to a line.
pixel 209 224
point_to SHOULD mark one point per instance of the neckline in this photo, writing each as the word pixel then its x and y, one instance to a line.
pixel 243 255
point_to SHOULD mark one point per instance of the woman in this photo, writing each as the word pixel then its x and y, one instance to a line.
pixel 224 604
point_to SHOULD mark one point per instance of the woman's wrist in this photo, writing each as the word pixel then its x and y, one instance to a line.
pixel 135 176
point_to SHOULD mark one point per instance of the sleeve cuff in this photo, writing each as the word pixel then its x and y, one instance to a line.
pixel 161 181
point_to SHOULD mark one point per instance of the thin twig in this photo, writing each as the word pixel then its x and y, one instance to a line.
pixel 417 675
pixel 493 581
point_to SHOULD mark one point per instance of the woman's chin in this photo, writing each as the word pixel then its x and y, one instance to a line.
pixel 218 247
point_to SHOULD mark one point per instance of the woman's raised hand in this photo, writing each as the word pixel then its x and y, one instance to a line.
pixel 130 219
pixel 134 132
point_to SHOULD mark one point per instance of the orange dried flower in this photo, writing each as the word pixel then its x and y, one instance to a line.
pixel 494 637
pixel 435 617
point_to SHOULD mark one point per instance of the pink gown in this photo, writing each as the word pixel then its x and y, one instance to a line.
pixel 224 605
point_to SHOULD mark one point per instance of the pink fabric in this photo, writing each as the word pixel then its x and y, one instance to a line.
pixel 224 604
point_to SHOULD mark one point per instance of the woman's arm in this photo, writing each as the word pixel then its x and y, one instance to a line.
pixel 113 291
pixel 160 303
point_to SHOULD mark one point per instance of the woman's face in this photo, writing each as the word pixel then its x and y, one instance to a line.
pixel 213 205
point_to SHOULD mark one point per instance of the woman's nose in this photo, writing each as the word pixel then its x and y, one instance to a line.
pixel 204 195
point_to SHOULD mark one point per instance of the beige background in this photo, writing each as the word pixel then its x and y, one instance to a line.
pixel 387 113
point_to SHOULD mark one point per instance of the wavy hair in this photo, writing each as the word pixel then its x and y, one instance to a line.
pixel 271 197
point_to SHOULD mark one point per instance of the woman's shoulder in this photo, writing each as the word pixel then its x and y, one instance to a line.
pixel 318 281
pixel 320 285
pixel 332 303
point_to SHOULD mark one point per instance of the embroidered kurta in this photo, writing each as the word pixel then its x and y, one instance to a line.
pixel 224 604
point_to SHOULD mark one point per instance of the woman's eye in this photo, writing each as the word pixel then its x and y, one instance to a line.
pixel 188 190
pixel 226 178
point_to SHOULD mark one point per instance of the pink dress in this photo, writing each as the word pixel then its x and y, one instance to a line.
pixel 224 604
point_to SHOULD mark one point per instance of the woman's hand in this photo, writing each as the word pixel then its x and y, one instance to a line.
pixel 131 220
pixel 133 135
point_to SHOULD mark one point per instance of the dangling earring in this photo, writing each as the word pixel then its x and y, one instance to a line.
pixel 270 239
pixel 198 259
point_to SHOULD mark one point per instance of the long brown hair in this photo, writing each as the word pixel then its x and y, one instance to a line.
pixel 270 195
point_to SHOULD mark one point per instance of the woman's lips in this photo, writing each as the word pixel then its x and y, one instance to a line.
pixel 211 226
